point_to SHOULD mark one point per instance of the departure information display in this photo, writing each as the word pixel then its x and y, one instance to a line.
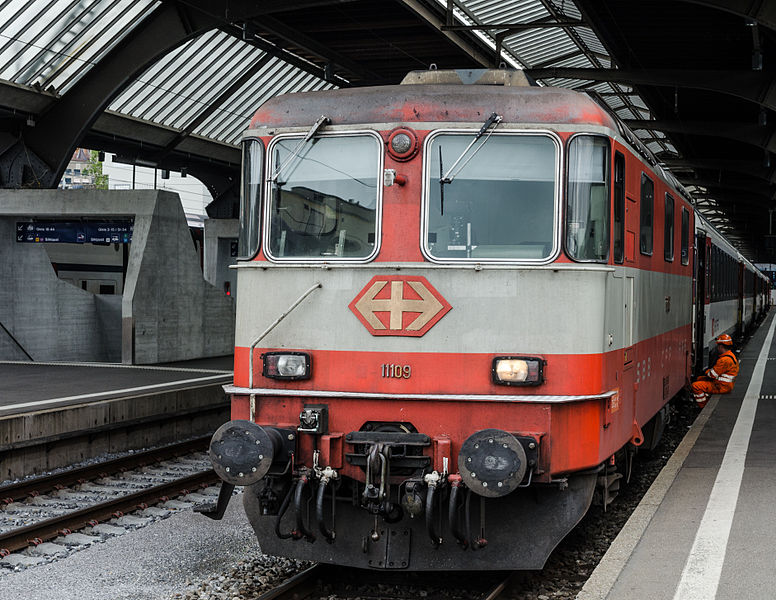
pixel 74 232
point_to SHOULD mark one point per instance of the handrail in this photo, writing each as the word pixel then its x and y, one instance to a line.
pixel 275 324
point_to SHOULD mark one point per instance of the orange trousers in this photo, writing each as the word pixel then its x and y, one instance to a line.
pixel 704 387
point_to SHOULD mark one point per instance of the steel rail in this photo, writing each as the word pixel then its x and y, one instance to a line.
pixel 297 587
pixel 497 589
pixel 305 584
pixel 36 533
pixel 41 485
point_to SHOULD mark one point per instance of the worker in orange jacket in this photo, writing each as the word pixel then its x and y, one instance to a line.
pixel 720 378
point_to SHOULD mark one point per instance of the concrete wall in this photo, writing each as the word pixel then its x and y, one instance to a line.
pixel 218 235
pixel 51 319
pixel 168 312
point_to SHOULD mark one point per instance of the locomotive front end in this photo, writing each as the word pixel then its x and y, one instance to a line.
pixel 420 371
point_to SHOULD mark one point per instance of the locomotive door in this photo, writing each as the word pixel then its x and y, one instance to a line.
pixel 628 299
pixel 629 351
pixel 700 302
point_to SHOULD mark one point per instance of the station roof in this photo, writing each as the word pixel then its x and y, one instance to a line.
pixel 173 83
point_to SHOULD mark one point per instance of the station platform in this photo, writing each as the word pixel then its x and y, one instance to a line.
pixel 706 528
pixel 33 386
pixel 56 414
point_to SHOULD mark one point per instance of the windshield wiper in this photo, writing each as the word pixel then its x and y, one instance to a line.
pixel 448 177
pixel 441 184
pixel 322 120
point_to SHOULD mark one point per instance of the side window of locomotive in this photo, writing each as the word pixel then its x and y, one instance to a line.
pixel 250 199
pixel 587 198
pixel 619 207
pixel 647 213
pixel 685 236
pixel 497 200
pixel 668 229
pixel 714 273
pixel 323 197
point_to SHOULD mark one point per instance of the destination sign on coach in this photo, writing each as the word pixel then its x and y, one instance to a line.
pixel 74 232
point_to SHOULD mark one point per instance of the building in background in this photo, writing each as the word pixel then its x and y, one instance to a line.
pixel 193 194
pixel 79 173
pixel 89 169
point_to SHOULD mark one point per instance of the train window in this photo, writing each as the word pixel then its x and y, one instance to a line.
pixel 668 229
pixel 498 203
pixel 587 198
pixel 647 213
pixel 685 236
pixel 323 197
pixel 250 198
pixel 619 207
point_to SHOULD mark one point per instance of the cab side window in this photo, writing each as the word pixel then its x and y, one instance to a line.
pixel 647 214
pixel 619 207
pixel 668 229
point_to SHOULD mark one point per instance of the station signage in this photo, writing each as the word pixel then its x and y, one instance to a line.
pixel 74 232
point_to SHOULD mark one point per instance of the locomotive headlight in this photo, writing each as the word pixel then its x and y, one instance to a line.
pixel 517 370
pixel 286 365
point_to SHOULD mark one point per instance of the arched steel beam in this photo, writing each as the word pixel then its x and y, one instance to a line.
pixel 58 130
pixel 729 200
pixel 754 135
pixel 760 189
pixel 754 86
pixel 42 152
pixel 764 12
pixel 745 167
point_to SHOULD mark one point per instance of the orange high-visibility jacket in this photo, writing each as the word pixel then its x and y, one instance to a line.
pixel 724 371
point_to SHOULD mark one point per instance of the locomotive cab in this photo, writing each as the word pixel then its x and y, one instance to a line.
pixel 437 353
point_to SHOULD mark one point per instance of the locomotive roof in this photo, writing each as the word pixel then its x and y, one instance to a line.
pixel 430 103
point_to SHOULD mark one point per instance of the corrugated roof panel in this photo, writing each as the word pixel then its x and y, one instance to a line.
pixel 212 81
pixel 602 87
pixel 566 83
pixel 247 101
pixel 569 10
pixel 514 11
pixel 614 102
pixel 590 39
pixel 176 76
pixel 537 45
pixel 580 61
pixel 55 43
pixel 625 113
pixel 184 83
pixel 654 147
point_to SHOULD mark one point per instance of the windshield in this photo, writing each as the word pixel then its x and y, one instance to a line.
pixel 323 203
pixel 501 204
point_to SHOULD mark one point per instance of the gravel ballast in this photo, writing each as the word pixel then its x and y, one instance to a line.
pixel 154 562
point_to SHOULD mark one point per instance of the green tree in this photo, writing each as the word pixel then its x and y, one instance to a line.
pixel 95 169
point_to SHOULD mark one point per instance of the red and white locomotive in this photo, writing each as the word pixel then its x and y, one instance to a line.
pixel 457 304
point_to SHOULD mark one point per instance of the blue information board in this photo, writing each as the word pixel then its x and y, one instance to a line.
pixel 74 232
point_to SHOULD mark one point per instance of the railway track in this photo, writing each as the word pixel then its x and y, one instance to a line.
pixel 38 510
pixel 338 583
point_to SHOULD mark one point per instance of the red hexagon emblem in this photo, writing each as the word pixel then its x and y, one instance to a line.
pixel 403 305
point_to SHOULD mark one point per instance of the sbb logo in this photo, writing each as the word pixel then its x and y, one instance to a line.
pixel 400 305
